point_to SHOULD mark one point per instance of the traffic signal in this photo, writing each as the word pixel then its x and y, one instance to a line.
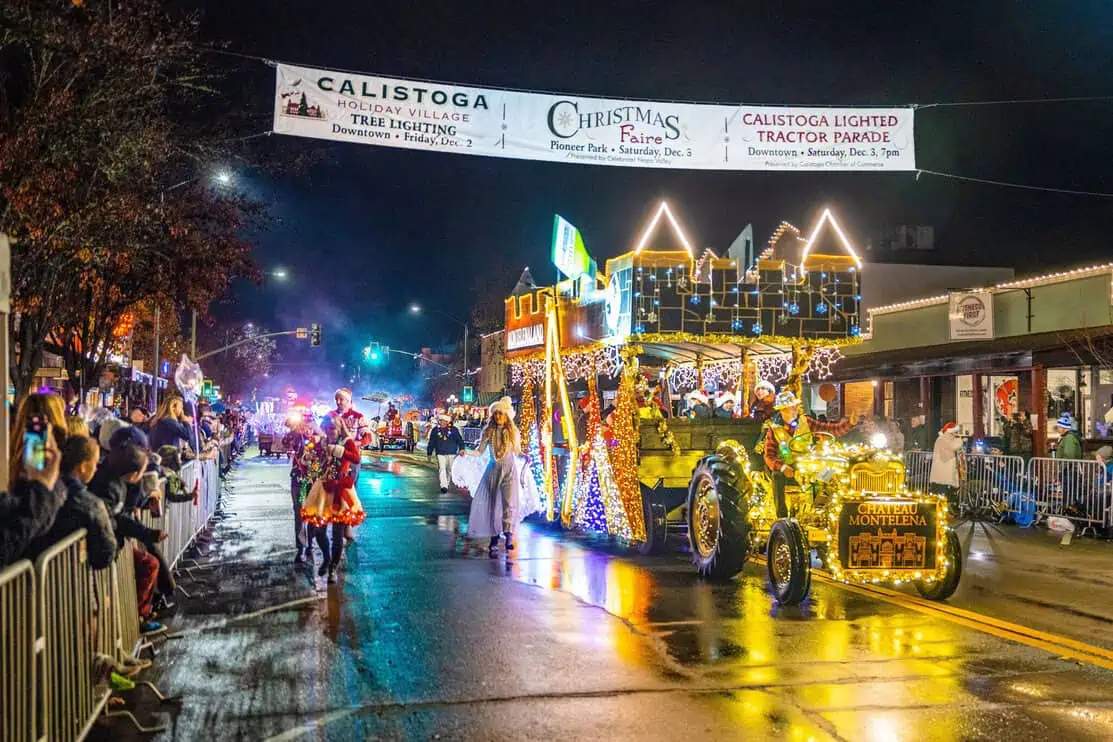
pixel 467 395
pixel 375 352
pixel 315 336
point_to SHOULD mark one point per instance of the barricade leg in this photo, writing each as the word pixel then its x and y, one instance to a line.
pixel 19 662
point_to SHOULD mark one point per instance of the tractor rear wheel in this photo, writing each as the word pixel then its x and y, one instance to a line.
pixel 718 518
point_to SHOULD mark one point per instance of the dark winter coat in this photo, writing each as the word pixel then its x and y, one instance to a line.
pixel 445 441
pixel 113 491
pixel 27 512
pixel 169 432
pixel 919 439
pixel 82 509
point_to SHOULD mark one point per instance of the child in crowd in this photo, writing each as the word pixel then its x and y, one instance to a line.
pixel 81 509
pixel 124 466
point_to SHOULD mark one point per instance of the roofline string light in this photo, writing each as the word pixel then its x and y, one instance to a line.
pixel 827 216
pixel 664 210
pixel 1022 283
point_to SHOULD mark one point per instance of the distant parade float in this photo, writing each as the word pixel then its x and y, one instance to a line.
pixel 688 370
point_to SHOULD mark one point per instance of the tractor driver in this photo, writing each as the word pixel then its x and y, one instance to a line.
pixel 778 431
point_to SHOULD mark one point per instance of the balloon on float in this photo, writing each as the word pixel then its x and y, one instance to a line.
pixel 189 378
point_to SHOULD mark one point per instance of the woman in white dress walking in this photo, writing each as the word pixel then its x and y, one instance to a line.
pixel 494 504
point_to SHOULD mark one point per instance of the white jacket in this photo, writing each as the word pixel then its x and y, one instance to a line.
pixel 944 459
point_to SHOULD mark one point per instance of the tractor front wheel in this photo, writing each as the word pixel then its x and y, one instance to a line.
pixel 789 562
pixel 945 586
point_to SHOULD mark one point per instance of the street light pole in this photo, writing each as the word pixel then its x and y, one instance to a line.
pixel 224 178
pixel 416 309
pixel 154 371
pixel 238 343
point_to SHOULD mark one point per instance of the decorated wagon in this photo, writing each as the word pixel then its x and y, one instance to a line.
pixel 635 383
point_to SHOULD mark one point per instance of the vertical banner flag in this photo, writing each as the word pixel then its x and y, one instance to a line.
pixel 569 254
pixel 437 117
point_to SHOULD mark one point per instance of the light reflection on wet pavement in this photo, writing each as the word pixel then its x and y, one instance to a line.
pixel 428 638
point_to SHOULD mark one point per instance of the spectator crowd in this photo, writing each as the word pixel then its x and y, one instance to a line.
pixel 108 475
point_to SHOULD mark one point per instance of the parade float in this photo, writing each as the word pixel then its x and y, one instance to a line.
pixel 664 321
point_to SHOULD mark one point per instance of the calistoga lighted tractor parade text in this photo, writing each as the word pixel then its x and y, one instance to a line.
pixel 661 348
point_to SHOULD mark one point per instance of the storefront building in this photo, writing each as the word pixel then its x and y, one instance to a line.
pixel 1039 346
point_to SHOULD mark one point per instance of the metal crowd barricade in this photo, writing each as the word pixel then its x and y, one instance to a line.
pixel 58 613
pixel 127 602
pixel 68 624
pixel 18 665
pixel 182 521
pixel 917 469
pixel 471 435
pixel 1075 489
pixel 988 482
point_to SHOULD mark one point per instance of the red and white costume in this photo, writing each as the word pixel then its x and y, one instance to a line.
pixel 333 497
pixel 393 422
pixel 357 424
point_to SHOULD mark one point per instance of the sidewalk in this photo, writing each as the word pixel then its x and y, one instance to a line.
pixel 1025 575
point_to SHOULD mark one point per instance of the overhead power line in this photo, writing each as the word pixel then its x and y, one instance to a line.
pixel 914 106
pixel 940 104
pixel 1020 186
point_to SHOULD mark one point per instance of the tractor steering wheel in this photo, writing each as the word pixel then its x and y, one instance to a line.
pixel 807 440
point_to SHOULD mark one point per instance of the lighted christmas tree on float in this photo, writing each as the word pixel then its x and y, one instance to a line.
pixel 598 505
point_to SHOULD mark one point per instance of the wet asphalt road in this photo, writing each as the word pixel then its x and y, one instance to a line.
pixel 425 639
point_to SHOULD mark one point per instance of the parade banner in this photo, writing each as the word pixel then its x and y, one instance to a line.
pixel 392 112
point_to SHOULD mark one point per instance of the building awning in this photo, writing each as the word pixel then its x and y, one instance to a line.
pixel 689 352
pixel 1071 347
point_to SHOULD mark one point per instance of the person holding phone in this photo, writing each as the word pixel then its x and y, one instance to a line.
pixel 29 510
pixel 81 508
pixel 49 409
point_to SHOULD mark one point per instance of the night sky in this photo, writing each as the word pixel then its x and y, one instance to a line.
pixel 370 229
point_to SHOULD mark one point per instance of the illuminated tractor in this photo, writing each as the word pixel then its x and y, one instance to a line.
pixel 392 433
pixel 602 362
pixel 849 506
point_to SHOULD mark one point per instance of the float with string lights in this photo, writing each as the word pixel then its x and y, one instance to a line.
pixel 849 504
pixel 662 325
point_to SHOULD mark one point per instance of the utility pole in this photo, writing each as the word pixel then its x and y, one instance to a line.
pixel 5 311
pixel 154 371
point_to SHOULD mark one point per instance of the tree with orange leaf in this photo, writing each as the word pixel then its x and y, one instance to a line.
pixel 99 115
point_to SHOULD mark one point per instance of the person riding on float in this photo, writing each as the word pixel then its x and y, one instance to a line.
pixel 776 446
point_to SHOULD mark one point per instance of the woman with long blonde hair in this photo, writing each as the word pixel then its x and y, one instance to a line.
pixel 171 426
pixel 495 501
pixel 50 409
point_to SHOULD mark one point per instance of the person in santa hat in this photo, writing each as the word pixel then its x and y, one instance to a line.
pixel 762 407
pixel 698 407
pixel 360 433
pixel 356 423
pixel 446 442
pixel 724 405
pixel 333 499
